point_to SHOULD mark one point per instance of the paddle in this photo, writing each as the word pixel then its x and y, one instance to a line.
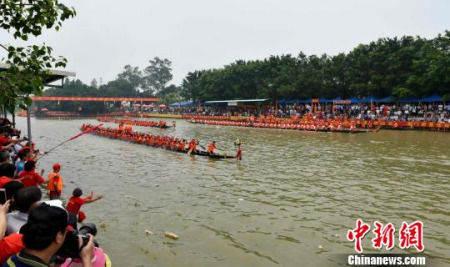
pixel 70 139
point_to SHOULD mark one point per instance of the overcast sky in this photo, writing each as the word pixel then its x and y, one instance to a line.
pixel 106 35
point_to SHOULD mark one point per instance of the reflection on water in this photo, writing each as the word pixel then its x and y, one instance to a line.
pixel 293 192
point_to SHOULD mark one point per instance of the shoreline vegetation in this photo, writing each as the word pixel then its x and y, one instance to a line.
pixel 406 67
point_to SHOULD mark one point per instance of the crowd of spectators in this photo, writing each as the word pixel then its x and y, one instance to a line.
pixel 432 112
pixel 33 230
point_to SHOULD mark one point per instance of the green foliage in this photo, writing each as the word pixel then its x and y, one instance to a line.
pixel 158 74
pixel 170 98
pixel 404 67
pixel 26 73
pixel 402 92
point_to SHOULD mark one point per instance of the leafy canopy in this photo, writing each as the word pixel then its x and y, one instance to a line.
pixel 27 65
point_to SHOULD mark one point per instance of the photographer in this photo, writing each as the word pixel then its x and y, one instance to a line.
pixel 43 236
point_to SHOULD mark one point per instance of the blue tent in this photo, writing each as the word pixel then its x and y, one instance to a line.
pixel 183 104
pixel 324 100
pixel 337 99
pixel 305 101
pixel 291 101
pixel 282 101
pixel 388 99
pixel 409 100
pixel 354 100
pixel 368 99
pixel 432 98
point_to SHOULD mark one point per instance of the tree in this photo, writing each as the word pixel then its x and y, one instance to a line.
pixel 190 88
pixel 170 98
pixel 94 83
pixel 401 92
pixel 158 74
pixel 26 72
pixel 136 81
pixel 171 89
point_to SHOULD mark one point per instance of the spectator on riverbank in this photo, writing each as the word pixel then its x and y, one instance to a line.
pixel 43 235
pixel 29 177
pixel 24 201
pixel 55 183
pixel 7 172
pixel 76 201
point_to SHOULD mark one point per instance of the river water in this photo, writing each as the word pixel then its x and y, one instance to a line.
pixel 292 193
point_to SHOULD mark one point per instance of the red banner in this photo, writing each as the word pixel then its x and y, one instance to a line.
pixel 98 99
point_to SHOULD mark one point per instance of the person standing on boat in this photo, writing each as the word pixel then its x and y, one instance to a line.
pixel 128 128
pixel 239 150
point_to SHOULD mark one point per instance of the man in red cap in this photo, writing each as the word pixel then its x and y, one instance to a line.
pixel 55 183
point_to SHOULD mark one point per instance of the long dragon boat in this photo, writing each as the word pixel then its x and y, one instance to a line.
pixel 286 126
pixel 141 138
pixel 160 124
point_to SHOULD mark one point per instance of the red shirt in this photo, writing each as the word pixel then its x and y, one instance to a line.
pixel 10 245
pixel 30 178
pixel 3 140
pixel 75 204
pixel 4 180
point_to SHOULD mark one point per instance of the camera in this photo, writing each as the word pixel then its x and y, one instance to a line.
pixel 71 247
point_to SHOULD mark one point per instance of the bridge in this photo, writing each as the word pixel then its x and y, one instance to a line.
pixel 94 99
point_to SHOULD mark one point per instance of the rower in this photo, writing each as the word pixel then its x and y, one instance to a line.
pixel 182 145
pixel 211 147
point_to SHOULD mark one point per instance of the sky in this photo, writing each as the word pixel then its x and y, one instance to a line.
pixel 106 35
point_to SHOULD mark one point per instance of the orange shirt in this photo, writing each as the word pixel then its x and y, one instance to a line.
pixel 55 182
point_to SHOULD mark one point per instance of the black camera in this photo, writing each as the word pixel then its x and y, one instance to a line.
pixel 71 247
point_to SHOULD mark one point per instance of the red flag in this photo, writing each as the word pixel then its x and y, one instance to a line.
pixel 85 132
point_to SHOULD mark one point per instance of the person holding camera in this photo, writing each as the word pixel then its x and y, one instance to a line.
pixel 43 236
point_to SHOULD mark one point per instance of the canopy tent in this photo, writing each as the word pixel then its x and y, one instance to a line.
pixel 236 102
pixel 288 101
pixel 176 104
pixel 336 99
pixel 409 100
pixel 306 101
pixel 431 98
pixel 184 104
pixel 354 100
pixel 387 99
pixel 368 99
pixel 324 100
